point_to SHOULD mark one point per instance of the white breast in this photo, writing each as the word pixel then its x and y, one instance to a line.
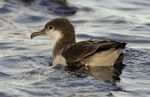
pixel 59 60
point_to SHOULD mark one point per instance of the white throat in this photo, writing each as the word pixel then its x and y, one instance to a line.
pixel 54 34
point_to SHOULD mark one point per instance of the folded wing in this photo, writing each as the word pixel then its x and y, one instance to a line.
pixel 78 51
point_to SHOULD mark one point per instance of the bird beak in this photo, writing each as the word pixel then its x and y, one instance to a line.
pixel 42 32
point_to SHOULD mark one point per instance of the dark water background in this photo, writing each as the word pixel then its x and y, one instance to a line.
pixel 24 63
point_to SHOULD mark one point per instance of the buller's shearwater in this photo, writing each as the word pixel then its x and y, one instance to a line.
pixel 89 53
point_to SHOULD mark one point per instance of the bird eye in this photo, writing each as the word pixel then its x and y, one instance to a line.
pixel 50 27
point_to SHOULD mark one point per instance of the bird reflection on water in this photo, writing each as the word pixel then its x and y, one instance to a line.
pixel 108 73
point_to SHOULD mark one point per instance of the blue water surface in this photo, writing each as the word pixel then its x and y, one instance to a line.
pixel 24 63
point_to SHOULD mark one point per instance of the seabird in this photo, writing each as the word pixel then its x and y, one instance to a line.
pixel 67 51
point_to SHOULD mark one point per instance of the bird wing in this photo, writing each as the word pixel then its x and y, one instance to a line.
pixel 78 51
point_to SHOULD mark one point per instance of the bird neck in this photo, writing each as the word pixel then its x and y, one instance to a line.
pixel 61 43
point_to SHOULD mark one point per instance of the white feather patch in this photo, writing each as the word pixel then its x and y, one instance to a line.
pixel 105 58
pixel 59 60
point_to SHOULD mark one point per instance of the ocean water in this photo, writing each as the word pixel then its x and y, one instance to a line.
pixel 24 63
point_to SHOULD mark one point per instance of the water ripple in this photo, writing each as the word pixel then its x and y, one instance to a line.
pixel 25 64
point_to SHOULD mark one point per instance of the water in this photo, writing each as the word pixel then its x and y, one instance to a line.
pixel 24 63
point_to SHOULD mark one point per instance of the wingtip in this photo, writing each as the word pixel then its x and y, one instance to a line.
pixel 123 45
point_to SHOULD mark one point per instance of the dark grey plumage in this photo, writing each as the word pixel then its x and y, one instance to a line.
pixel 78 51
pixel 91 52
